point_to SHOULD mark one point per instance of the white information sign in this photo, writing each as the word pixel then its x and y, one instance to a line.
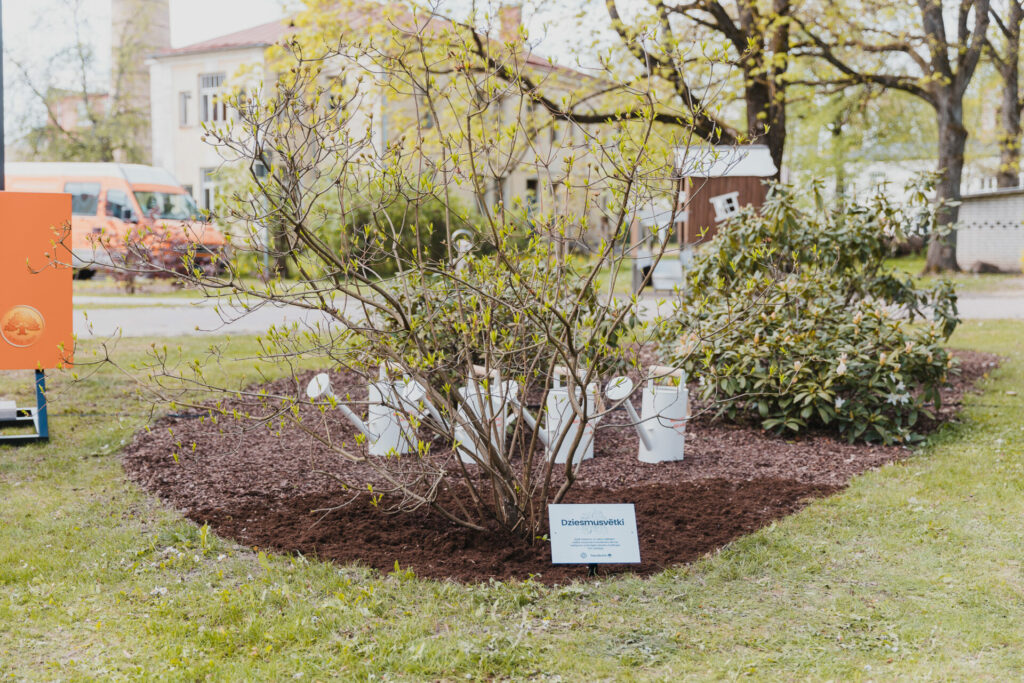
pixel 593 534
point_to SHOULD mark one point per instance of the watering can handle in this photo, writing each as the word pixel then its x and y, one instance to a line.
pixel 482 371
pixel 388 365
pixel 661 371
pixel 562 371
pixel 559 370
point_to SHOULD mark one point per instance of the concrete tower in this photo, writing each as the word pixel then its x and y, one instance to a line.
pixel 139 29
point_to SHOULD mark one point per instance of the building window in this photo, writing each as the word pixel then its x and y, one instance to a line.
pixel 85 198
pixel 337 96
pixel 726 205
pixel 422 104
pixel 212 106
pixel 207 189
pixel 184 103
pixel 336 105
pixel 84 120
pixel 532 196
pixel 118 205
pixel 246 105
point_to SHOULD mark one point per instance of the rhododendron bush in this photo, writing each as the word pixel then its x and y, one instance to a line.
pixel 791 317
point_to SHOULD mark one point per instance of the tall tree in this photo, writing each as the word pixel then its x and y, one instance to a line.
pixel 930 50
pixel 673 51
pixel 1004 51
pixel 758 35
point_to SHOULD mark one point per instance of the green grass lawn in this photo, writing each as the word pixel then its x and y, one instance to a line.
pixel 913 572
pixel 104 285
pixel 966 283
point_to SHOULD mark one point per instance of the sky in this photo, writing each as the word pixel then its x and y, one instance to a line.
pixel 24 21
pixel 191 20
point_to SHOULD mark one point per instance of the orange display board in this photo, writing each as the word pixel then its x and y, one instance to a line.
pixel 36 318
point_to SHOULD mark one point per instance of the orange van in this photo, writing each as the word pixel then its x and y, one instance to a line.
pixel 116 204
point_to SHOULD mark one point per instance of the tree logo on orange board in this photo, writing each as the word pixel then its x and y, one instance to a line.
pixel 22 326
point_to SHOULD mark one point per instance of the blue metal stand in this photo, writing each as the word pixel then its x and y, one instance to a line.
pixel 29 416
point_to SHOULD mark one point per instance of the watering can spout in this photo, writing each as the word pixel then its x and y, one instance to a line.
pixel 619 389
pixel 414 396
pixel 320 389
pixel 531 421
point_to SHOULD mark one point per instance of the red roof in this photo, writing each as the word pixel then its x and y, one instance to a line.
pixel 257 36
pixel 267 34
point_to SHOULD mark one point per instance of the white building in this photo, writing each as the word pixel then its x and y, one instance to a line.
pixel 185 88
pixel 187 83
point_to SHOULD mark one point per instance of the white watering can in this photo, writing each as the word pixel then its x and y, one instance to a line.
pixel 492 406
pixel 462 248
pixel 665 407
pixel 561 417
pixel 387 427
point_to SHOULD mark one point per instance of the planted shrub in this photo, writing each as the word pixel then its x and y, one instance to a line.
pixel 369 215
pixel 464 319
pixel 791 317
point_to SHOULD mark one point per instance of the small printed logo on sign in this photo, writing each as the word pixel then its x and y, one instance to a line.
pixel 593 534
pixel 22 326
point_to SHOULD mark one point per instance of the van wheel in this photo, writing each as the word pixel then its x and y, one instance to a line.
pixel 84 274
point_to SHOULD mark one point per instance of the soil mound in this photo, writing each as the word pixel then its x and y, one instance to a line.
pixel 269 485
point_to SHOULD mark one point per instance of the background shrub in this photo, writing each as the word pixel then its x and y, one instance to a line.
pixel 791 316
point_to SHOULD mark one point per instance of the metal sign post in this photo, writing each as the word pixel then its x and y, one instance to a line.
pixel 13 416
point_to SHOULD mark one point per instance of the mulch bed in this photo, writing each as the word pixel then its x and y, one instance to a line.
pixel 270 487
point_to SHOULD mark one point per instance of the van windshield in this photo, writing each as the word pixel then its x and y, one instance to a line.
pixel 174 206
pixel 85 198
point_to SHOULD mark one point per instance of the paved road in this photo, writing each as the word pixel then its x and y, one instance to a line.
pixel 1006 305
pixel 104 316
pixel 992 306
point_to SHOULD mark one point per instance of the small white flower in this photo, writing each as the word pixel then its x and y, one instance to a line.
pixel 158 590
pixel 897 399
pixel 840 402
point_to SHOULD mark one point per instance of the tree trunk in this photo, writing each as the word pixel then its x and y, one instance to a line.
pixel 952 142
pixel 766 118
pixel 1009 126
pixel 1009 105
pixel 839 162
pixel 775 136
pixel 281 251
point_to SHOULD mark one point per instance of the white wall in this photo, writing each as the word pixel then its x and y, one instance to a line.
pixel 181 150
pixel 991 229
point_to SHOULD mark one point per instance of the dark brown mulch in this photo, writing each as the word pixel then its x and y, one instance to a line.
pixel 260 486
pixel 677 523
